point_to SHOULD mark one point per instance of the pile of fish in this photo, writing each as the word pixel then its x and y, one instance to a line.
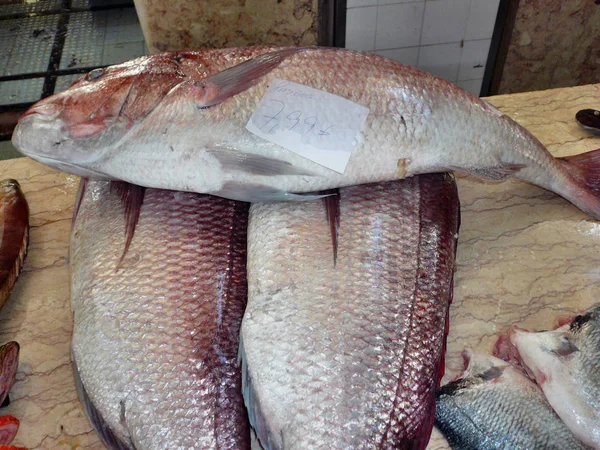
pixel 495 404
pixel 342 342
pixel 14 240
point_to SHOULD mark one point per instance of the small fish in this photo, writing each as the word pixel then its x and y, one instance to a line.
pixel 494 406
pixel 349 353
pixel 589 119
pixel 9 426
pixel 155 336
pixel 14 235
pixel 566 364
pixel 178 121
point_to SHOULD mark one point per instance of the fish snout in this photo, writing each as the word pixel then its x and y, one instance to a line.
pixel 45 111
pixel 10 183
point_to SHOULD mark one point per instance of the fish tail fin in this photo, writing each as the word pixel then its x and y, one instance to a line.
pixel 585 170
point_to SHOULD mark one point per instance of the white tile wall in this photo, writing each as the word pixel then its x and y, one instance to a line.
pixel 449 38
pixel 361 24
pixel 445 21
pixel 398 23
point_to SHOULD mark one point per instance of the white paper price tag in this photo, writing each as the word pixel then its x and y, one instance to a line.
pixel 315 124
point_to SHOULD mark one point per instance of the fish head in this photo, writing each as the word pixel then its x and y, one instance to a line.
pixel 76 127
pixel 9 189
pixel 545 354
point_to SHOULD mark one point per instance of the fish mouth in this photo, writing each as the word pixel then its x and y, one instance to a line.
pixel 45 112
pixel 46 139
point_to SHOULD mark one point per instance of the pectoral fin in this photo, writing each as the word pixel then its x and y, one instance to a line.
pixel 229 82
pixel 132 197
pixel 256 193
pixel 255 164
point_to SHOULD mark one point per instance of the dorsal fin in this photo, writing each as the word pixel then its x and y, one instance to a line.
pixel 332 211
pixel 132 197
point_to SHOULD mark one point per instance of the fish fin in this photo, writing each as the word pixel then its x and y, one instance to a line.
pixel 585 167
pixel 83 183
pixel 255 416
pixel 564 347
pixel 229 82
pixel 495 173
pixel 107 436
pixel 256 193
pixel 132 196
pixel 255 164
pixel 9 360
pixel 332 212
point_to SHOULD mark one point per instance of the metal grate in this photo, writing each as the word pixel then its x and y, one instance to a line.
pixel 21 91
pixel 49 43
pixel 29 42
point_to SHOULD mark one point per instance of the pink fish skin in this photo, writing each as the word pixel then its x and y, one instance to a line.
pixel 565 363
pixel 155 336
pixel 177 121
pixel 349 354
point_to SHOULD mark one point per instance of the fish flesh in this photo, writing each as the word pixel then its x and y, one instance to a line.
pixel 14 235
pixel 349 355
pixel 178 121
pixel 9 362
pixel 495 406
pixel 9 426
pixel 155 337
pixel 566 364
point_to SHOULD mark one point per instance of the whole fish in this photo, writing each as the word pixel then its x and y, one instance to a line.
pixel 155 336
pixel 495 406
pixel 14 235
pixel 177 121
pixel 349 355
pixel 566 364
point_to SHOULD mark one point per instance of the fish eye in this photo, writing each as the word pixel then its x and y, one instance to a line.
pixel 94 74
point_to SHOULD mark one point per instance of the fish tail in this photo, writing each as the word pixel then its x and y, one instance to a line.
pixel 584 192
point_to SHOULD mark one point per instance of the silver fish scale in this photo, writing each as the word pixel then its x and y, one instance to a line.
pixel 586 362
pixel 346 357
pixel 507 412
pixel 155 341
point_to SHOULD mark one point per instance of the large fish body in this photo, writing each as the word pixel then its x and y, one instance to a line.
pixel 155 335
pixel 494 406
pixel 349 355
pixel 178 121
pixel 14 235
pixel 566 364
